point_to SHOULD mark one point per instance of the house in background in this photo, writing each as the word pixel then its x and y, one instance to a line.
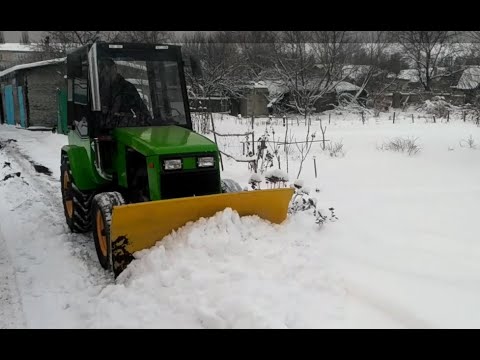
pixel 469 84
pixel 30 93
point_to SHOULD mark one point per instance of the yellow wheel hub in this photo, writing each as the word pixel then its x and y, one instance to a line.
pixel 68 202
pixel 102 238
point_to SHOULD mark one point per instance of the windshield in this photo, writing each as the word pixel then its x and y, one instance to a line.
pixel 140 92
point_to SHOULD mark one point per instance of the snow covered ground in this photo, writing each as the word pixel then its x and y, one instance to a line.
pixel 403 254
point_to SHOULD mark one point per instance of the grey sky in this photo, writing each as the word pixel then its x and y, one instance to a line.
pixel 14 36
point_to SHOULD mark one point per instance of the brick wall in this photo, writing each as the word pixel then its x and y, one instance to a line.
pixel 42 84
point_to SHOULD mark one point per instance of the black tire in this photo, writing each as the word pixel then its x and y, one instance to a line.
pixel 230 186
pixel 76 203
pixel 102 206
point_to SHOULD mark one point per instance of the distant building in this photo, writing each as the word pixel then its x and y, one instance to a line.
pixel 29 93
pixel 469 84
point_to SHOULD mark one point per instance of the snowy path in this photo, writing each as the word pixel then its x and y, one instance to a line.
pixel 11 311
pixel 54 269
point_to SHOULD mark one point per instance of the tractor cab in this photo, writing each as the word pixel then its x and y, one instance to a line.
pixel 113 86
pixel 126 85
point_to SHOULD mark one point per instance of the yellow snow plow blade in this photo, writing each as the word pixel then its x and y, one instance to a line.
pixel 139 226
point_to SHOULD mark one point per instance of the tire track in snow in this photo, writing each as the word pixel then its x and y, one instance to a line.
pixel 394 311
pixel 50 195
pixel 364 293
pixel 11 309
pixel 55 268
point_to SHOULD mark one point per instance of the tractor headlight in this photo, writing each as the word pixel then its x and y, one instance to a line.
pixel 172 164
pixel 207 161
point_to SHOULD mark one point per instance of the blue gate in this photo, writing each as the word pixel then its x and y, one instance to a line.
pixel 21 105
pixel 9 105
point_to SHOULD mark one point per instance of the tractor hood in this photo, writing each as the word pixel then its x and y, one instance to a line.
pixel 164 140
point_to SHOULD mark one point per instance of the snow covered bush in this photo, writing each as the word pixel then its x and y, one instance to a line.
pixel 255 181
pixel 335 149
pixel 468 143
pixel 302 201
pixel 276 178
pixel 348 104
pixel 398 144
pixel 437 107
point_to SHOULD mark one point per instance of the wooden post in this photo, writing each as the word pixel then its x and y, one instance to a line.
pixel 394 117
pixel 253 132
pixel 363 118
pixel 329 116
pixel 448 116
pixel 315 166
pixel 253 142
pixel 434 120
pixel 215 137
pixel 464 116
pixel 412 119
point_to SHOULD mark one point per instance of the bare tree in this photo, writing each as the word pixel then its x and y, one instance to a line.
pixel 474 37
pixel 304 148
pixel 221 63
pixel 256 48
pixel 310 64
pixel 374 47
pixel 55 44
pixel 425 49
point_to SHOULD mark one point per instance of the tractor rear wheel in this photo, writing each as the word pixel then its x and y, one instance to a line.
pixel 76 203
pixel 102 207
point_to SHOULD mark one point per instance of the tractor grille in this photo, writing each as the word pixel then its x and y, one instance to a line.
pixel 191 183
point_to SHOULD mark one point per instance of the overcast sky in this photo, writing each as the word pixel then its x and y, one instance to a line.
pixel 14 36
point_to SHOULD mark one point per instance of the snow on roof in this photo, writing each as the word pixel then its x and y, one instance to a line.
pixel 256 85
pixel 355 71
pixel 409 74
pixel 18 47
pixel 32 65
pixel 470 78
pixel 275 87
pixel 391 75
pixel 346 86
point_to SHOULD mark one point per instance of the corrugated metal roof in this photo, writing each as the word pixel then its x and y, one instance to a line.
pixel 470 79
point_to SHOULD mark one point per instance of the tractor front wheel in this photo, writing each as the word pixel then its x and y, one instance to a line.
pixel 102 208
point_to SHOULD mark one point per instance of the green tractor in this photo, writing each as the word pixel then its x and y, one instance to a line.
pixel 134 169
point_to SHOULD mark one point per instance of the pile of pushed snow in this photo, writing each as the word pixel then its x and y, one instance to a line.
pixel 226 271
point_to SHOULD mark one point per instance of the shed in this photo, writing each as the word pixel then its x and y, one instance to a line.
pixel 30 93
